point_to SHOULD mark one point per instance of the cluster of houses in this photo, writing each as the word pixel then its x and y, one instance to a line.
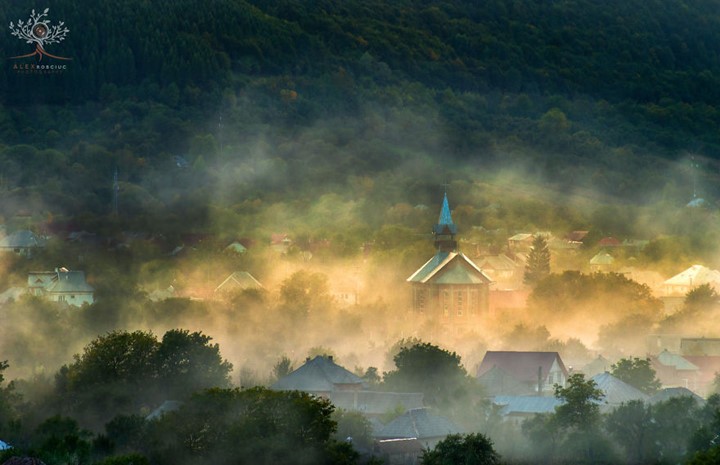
pixel 521 384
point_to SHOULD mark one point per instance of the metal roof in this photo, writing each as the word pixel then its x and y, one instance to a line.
pixel 21 240
pixel 526 404
pixel 456 269
pixel 669 393
pixel 70 282
pixel 418 423
pixel 617 391
pixel 695 276
pixel 240 280
pixel 320 374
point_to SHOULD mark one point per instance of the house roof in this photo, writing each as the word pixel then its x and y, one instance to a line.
pixel 165 407
pixel 4 445
pixel 400 446
pixel 449 268
pixel 674 360
pixel 526 404
pixel 70 282
pixel 497 262
pixel 602 258
pixel 23 461
pixel 236 247
pixel 599 365
pixel 576 236
pixel 615 390
pixel 21 240
pixel 239 280
pixel 320 374
pixel 522 366
pixel 497 381
pixel 695 276
pixel 375 402
pixel 609 242
pixel 521 237
pixel 669 393
pixel 418 423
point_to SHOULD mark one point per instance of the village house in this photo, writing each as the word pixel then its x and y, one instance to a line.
pixel 517 409
pixel 61 285
pixel 449 288
pixel 521 373
pixel 420 424
pixel 22 243
pixel 687 280
pixel 616 392
pixel 236 282
pixel 322 377
pixel 603 261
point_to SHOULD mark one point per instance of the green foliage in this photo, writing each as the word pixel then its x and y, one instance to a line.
pixel 426 368
pixel 538 261
pixel 631 425
pixel 580 408
pixel 637 373
pixel 353 427
pixel 249 426
pixel 703 297
pixel 106 379
pixel 283 367
pixel 470 449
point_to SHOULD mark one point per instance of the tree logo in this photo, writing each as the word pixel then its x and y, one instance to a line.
pixel 38 30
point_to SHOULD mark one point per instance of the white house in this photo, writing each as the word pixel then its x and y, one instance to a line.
pixel 61 285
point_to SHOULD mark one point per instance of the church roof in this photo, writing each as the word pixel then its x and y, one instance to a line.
pixel 445 223
pixel 449 268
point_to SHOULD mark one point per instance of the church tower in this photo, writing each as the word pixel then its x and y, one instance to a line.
pixel 449 287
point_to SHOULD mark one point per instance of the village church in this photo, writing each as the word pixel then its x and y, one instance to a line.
pixel 449 287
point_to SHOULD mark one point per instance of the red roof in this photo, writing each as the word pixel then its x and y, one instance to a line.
pixel 609 242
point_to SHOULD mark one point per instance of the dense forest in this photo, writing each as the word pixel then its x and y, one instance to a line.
pixel 267 99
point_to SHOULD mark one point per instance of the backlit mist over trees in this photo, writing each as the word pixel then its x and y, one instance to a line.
pixel 210 197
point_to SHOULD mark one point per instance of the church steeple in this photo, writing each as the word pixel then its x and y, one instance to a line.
pixel 445 230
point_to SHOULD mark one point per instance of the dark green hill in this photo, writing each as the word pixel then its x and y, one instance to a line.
pixel 598 96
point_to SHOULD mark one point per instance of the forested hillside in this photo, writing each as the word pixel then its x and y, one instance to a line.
pixel 264 99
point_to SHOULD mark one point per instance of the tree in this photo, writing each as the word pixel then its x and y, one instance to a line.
pixel 283 367
pixel 471 449
pixel 426 368
pixel 255 425
pixel 632 426
pixel 637 373
pixel 8 400
pixel 538 261
pixel 122 371
pixel 581 407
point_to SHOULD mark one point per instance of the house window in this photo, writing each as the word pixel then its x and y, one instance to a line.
pixel 61 298
pixel 72 296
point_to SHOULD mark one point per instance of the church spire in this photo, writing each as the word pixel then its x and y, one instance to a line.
pixel 445 230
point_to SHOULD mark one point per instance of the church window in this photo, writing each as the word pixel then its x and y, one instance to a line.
pixel 473 301
pixel 446 303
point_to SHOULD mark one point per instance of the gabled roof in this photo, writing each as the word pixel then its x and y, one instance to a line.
pixel 609 242
pixel 320 374
pixel 21 240
pixel 240 280
pixel 695 276
pixel 674 360
pixel 597 366
pixel 418 423
pixel 449 268
pixel 497 262
pixel 522 366
pixel 615 390
pixel 69 282
pixel 576 236
pixel 526 404
pixel 602 258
